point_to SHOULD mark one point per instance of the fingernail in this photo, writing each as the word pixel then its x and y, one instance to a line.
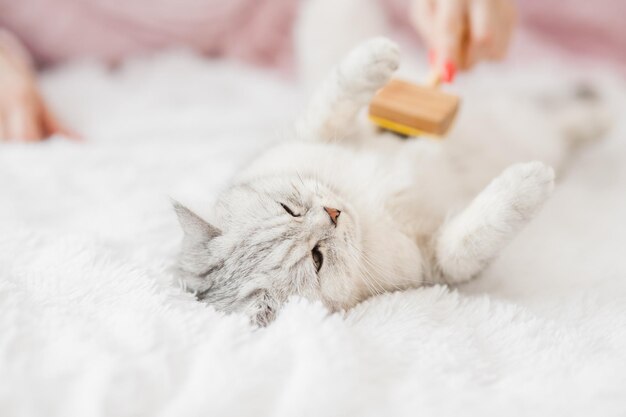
pixel 449 71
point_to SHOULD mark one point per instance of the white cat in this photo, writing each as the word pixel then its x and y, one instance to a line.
pixel 340 212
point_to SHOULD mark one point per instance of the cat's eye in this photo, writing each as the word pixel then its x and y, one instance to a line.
pixel 318 258
pixel 289 210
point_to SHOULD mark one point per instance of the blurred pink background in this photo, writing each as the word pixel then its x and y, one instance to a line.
pixel 259 31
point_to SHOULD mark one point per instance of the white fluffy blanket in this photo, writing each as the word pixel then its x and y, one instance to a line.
pixel 91 325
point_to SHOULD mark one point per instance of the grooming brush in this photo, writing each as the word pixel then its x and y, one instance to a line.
pixel 415 110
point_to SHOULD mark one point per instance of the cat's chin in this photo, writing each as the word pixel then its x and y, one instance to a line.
pixel 347 299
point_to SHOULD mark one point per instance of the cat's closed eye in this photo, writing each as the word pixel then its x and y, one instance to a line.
pixel 289 210
pixel 318 258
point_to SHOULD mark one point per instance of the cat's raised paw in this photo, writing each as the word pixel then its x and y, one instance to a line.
pixel 384 59
pixel 372 63
pixel 526 186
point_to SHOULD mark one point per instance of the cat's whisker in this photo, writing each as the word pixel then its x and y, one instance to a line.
pixel 379 272
pixel 370 280
pixel 366 280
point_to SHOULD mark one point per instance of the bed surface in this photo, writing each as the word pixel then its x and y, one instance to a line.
pixel 91 325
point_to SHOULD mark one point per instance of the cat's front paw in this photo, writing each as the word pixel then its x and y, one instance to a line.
pixel 371 64
pixel 525 187
pixel 383 59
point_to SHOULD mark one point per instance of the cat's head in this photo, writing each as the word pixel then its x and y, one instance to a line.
pixel 272 238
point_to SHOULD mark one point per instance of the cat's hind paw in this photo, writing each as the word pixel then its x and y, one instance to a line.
pixel 581 112
pixel 524 187
pixel 470 240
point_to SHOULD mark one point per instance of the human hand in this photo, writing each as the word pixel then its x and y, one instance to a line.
pixel 463 32
pixel 24 116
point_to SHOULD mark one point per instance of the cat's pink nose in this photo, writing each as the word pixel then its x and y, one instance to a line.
pixel 333 213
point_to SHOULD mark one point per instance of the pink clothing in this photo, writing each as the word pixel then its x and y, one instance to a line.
pixel 53 30
pixel 259 31
pixel 595 29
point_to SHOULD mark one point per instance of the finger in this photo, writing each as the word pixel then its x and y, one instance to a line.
pixel 483 30
pixel 499 47
pixel 449 23
pixel 23 125
pixel 507 20
pixel 51 125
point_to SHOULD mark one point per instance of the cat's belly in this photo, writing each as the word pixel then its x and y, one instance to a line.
pixel 411 184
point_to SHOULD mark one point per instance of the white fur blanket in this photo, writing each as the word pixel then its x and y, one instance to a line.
pixel 90 324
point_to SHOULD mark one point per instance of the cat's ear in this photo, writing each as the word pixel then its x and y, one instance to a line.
pixel 195 228
pixel 195 255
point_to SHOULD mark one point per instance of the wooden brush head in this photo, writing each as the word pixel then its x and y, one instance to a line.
pixel 413 110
